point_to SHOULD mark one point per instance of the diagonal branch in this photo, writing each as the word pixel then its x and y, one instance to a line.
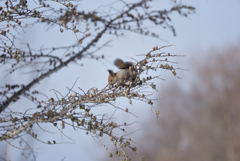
pixel 16 95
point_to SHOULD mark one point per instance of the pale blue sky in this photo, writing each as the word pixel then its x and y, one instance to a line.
pixel 215 25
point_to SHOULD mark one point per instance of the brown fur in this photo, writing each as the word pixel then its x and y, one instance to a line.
pixel 126 72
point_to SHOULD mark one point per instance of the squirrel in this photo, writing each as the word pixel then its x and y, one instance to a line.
pixel 126 72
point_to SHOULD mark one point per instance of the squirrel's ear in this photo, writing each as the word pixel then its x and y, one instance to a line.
pixel 111 72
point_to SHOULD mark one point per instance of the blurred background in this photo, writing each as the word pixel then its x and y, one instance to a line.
pixel 199 121
pixel 199 113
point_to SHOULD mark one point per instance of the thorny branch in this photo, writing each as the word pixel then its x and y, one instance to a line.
pixel 77 108
pixel 132 18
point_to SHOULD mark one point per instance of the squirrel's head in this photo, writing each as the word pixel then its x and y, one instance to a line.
pixel 111 77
